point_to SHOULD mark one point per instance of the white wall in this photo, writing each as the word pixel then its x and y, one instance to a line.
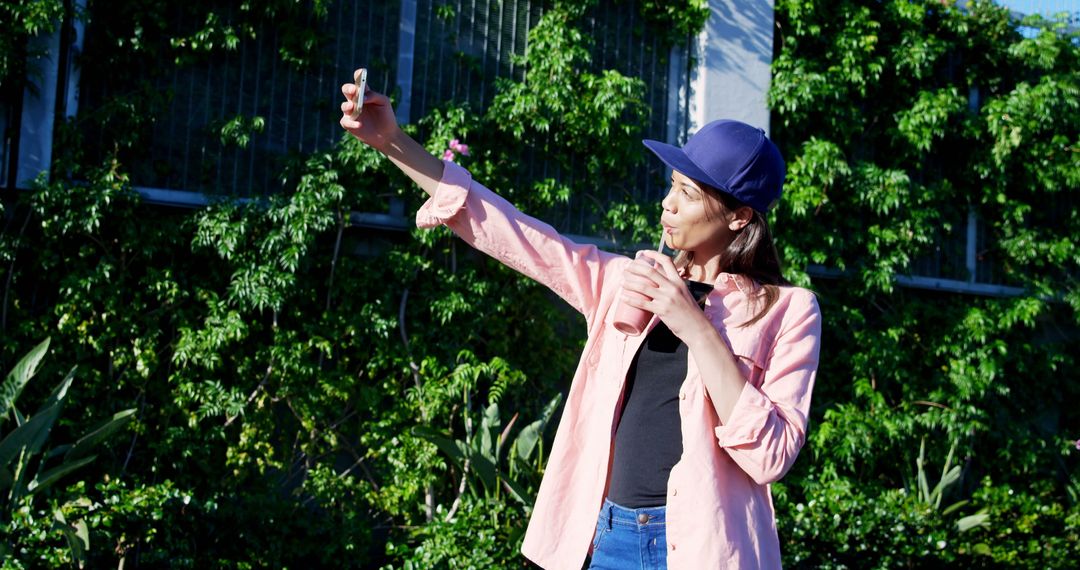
pixel 733 53
pixel 39 108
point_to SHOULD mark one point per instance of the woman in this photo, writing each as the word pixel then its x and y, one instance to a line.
pixel 669 440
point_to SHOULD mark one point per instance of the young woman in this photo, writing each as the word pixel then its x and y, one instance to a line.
pixel 669 439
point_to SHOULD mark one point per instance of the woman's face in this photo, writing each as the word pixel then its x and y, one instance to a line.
pixel 695 220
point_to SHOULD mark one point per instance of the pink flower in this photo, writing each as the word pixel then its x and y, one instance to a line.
pixel 462 149
pixel 1078 445
pixel 448 155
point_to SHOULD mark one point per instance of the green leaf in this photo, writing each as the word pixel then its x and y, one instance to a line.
pixel 526 440
pixel 30 436
pixel 954 507
pixel 49 477
pixel 60 392
pixel 516 491
pixel 99 434
pixel 457 451
pixel 489 429
pixel 17 379
pixel 454 449
pixel 77 535
pixel 981 518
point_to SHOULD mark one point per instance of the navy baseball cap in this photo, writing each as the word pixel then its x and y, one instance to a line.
pixel 733 157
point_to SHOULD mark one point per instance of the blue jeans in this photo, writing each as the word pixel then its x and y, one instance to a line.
pixel 630 539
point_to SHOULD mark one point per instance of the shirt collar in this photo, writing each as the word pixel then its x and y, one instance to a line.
pixel 744 284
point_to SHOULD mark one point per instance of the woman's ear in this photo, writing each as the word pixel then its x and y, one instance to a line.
pixel 740 218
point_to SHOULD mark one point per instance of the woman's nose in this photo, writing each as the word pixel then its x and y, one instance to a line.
pixel 667 203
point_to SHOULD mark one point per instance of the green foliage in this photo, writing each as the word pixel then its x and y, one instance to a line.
pixel 899 120
pixel 485 534
pixel 309 392
pixel 24 19
pixel 285 364
pixel 28 469
pixel 482 452
pixel 675 21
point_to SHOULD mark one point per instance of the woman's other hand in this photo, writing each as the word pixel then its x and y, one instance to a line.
pixel 667 295
pixel 376 126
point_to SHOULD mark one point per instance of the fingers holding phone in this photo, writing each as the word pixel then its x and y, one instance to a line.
pixel 355 94
pixel 366 114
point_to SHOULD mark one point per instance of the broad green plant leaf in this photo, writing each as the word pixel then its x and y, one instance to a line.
pixel 95 436
pixel 516 491
pixel 19 376
pixel 457 451
pixel 60 392
pixel 77 535
pixel 30 436
pixel 526 440
pixel 981 518
pixel 489 429
pixel 49 477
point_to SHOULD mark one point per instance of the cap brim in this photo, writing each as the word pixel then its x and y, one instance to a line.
pixel 676 158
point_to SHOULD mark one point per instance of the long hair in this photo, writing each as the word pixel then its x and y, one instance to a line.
pixel 751 254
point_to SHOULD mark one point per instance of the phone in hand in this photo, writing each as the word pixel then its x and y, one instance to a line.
pixel 361 87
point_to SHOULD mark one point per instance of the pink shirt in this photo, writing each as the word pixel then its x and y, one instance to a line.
pixel 719 509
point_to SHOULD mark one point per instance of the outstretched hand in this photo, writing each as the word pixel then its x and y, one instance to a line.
pixel 665 294
pixel 376 125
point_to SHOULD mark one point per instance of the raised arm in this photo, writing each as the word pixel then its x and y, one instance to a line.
pixel 377 127
pixel 476 214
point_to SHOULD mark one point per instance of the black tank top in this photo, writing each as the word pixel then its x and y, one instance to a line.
pixel 648 439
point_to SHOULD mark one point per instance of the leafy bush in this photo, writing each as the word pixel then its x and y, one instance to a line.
pixel 28 468
pixel 279 379
pixel 899 121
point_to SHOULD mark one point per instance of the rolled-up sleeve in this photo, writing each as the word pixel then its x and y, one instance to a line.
pixel 767 427
pixel 492 225
pixel 449 197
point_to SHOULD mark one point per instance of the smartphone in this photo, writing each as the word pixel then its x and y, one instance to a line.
pixel 361 87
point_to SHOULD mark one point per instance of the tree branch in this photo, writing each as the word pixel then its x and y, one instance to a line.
pixel 460 491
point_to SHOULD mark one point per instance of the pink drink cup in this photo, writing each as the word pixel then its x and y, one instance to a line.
pixel 632 320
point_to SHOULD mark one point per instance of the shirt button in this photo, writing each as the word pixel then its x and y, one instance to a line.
pixel 682 395
pixel 673 547
pixel 674 492
pixel 642 518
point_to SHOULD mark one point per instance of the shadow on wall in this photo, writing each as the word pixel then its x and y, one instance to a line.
pixel 741 38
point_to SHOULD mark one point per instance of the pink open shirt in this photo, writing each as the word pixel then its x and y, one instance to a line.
pixel 719 509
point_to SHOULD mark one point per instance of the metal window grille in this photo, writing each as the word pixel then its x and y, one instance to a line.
pixel 461 47
pixel 464 45
pixel 965 253
pixel 299 106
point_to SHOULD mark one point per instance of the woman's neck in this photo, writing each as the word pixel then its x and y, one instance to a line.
pixel 703 270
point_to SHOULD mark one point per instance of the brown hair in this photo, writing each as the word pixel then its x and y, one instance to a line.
pixel 751 254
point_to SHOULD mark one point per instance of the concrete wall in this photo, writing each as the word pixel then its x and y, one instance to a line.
pixel 733 55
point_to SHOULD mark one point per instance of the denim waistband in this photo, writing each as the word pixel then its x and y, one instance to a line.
pixel 614 514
